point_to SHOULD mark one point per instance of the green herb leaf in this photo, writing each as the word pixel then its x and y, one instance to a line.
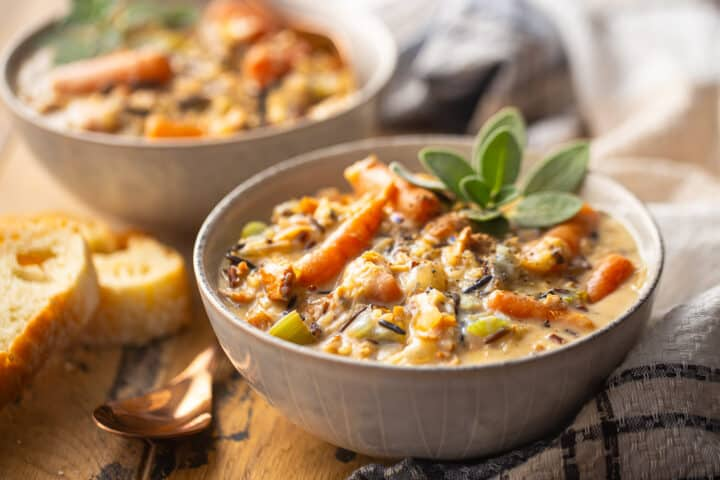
pixel 562 171
pixel 496 227
pixel 544 209
pixel 507 117
pixel 416 180
pixel 450 167
pixel 507 194
pixel 475 189
pixel 500 159
pixel 481 215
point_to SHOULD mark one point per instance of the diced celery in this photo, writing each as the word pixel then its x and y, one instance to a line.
pixel 292 328
pixel 484 326
pixel 362 327
pixel 253 228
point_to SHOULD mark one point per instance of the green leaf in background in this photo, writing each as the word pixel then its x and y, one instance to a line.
pixel 89 11
pixel 475 190
pixel 450 167
pixel 500 158
pixel 562 171
pixel 96 27
pixel 481 215
pixel 507 117
pixel 544 209
pixel 416 180
pixel 140 14
pixel 84 41
pixel 507 194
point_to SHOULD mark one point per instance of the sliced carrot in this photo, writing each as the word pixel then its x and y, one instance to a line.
pixel 351 237
pixel 127 67
pixel 608 274
pixel 158 126
pixel 572 231
pixel 371 175
pixel 525 307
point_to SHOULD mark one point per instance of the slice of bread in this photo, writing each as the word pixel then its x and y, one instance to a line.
pixel 48 292
pixel 144 293
pixel 144 290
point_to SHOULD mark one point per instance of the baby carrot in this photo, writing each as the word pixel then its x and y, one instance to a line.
pixel 127 67
pixel 525 307
pixel 608 275
pixel 560 244
pixel 351 237
pixel 371 175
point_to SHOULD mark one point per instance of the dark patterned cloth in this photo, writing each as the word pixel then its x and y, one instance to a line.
pixel 475 57
pixel 658 416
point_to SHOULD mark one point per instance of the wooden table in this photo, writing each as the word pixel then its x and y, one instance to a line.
pixel 50 434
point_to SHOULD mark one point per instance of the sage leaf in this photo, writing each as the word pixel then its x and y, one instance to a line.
pixel 475 190
pixel 507 194
pixel 481 215
pixel 544 209
pixel 416 180
pixel 500 159
pixel 507 117
pixel 496 227
pixel 562 171
pixel 450 167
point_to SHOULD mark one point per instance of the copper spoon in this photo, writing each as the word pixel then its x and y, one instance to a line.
pixel 182 407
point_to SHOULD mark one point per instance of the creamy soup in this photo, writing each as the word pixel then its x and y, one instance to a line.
pixel 396 276
pixel 239 66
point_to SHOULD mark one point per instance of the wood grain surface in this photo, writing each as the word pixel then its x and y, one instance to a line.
pixel 50 434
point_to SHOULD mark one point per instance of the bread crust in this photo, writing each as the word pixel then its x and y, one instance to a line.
pixel 54 326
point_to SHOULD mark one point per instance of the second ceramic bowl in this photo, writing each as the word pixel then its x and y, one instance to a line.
pixel 174 184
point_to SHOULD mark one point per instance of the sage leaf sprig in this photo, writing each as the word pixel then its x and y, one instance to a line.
pixel 486 186
pixel 95 27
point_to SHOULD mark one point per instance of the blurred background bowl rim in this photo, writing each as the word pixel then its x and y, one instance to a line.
pixel 20 47
pixel 230 200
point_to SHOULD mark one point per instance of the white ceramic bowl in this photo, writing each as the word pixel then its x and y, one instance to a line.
pixel 174 184
pixel 426 411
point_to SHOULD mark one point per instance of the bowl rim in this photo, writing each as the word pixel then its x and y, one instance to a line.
pixel 229 201
pixel 20 46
